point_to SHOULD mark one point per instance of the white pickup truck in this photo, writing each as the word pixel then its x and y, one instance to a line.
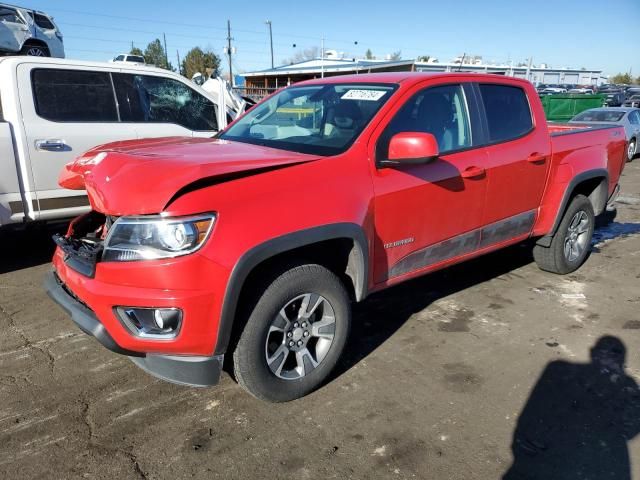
pixel 52 110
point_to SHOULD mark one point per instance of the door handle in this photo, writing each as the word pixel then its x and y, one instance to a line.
pixel 51 145
pixel 536 158
pixel 472 172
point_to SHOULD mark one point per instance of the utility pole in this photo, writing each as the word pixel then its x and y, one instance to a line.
pixel 166 56
pixel 268 22
pixel 229 51
pixel 462 61
pixel 529 68
pixel 322 58
pixel 179 66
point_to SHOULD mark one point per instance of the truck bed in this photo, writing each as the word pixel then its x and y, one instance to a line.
pixel 576 145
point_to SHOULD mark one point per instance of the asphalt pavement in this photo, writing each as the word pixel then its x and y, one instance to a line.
pixel 488 369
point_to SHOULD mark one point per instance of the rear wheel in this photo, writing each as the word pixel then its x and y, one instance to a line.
pixel 631 150
pixel 571 242
pixel 35 51
pixel 294 336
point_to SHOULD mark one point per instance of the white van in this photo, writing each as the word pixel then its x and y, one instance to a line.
pixel 24 31
pixel 53 110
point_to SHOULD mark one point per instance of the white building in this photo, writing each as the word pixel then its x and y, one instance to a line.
pixel 536 75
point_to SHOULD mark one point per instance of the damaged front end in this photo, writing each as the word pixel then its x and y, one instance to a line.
pixel 84 242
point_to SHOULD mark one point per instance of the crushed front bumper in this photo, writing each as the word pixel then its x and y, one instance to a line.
pixel 198 371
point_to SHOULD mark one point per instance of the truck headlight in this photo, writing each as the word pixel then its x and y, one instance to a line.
pixel 154 236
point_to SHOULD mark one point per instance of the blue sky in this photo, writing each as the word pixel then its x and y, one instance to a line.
pixel 562 33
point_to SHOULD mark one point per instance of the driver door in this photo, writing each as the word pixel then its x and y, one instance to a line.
pixel 429 213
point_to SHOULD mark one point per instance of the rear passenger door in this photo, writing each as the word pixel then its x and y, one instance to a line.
pixel 518 158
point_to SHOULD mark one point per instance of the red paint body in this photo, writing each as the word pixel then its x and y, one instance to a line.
pixel 284 192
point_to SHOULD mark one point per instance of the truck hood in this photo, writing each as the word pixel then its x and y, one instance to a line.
pixel 138 177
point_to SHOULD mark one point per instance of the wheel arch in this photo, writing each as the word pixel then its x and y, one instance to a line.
pixel 593 184
pixel 35 42
pixel 349 252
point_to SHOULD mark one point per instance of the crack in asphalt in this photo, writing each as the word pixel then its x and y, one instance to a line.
pixel 27 343
pixel 91 443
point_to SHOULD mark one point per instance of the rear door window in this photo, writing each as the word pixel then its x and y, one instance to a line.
pixel 43 22
pixel 507 111
pixel 151 99
pixel 73 95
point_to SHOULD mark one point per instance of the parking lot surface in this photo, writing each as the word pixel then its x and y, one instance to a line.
pixel 483 370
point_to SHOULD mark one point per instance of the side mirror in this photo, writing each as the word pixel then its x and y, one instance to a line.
pixel 411 148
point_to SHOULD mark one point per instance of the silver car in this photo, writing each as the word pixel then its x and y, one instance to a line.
pixel 28 32
pixel 627 117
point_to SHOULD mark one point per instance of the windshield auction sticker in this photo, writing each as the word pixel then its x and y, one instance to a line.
pixel 371 95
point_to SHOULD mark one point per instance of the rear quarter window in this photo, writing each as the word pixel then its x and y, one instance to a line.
pixel 507 111
pixel 73 95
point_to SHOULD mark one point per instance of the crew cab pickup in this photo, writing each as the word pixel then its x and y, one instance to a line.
pixel 52 110
pixel 253 244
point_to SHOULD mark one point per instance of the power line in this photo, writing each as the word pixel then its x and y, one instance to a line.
pixel 330 41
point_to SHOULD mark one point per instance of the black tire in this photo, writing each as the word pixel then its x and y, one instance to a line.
pixel 631 149
pixel 554 258
pixel 250 366
pixel 35 51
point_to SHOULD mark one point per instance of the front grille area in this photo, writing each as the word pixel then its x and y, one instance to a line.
pixel 82 246
pixel 70 292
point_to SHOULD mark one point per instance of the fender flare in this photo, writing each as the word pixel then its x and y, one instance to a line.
pixel 568 193
pixel 358 267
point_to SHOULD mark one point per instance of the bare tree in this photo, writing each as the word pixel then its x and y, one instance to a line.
pixel 303 55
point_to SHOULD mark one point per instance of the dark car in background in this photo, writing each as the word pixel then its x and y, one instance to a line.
pixel 633 101
pixel 614 98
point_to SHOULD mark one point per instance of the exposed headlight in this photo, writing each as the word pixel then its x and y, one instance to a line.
pixel 155 236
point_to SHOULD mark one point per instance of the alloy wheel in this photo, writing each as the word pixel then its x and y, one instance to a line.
pixel 35 52
pixel 575 242
pixel 300 336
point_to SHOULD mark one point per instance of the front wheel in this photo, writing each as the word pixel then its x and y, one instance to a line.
pixel 294 336
pixel 631 150
pixel 571 242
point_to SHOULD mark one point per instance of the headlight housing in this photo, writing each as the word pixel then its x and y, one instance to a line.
pixel 155 236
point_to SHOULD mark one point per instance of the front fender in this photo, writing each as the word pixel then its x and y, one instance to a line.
pixel 359 266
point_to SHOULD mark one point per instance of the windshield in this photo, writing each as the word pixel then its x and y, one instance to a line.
pixel 135 58
pixel 315 119
pixel 599 116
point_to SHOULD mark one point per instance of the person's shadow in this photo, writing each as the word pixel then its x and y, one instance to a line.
pixel 578 420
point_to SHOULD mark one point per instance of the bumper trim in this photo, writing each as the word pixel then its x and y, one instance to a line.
pixel 82 316
pixel 191 371
pixel 614 196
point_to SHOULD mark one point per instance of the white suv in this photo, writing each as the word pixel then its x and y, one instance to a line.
pixel 129 58
pixel 28 32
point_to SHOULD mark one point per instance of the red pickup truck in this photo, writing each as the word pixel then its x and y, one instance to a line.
pixel 254 243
